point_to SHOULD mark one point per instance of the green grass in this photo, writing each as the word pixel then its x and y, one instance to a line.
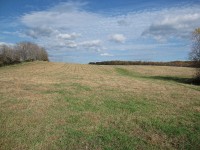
pixel 173 79
pixel 125 72
pixel 123 109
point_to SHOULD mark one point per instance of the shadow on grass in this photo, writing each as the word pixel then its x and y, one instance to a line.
pixel 125 72
pixel 175 79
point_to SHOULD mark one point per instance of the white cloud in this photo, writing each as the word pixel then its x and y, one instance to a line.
pixel 106 54
pixel 179 25
pixel 93 43
pixel 118 38
pixel 69 26
pixel 6 43
pixel 39 32
pixel 68 36
pixel 71 44
pixel 70 17
pixel 60 18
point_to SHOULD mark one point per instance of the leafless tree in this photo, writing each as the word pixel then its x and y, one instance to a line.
pixel 8 55
pixel 195 53
pixel 24 51
pixel 31 52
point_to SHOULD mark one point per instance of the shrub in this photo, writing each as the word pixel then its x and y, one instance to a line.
pixel 24 51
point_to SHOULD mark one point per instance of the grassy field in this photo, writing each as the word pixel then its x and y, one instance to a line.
pixel 71 106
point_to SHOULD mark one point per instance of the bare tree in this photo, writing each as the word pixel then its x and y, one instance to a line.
pixel 8 55
pixel 31 52
pixel 24 51
pixel 195 53
pixel 44 54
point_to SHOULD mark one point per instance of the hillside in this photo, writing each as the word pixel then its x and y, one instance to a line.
pixel 47 105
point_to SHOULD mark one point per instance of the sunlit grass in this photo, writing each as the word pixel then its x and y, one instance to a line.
pixel 67 106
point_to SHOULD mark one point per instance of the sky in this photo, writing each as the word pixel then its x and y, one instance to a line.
pixel 83 31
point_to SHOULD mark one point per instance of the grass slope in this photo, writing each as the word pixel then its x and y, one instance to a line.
pixel 70 106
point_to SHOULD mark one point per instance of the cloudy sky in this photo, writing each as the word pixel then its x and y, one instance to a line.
pixel 97 30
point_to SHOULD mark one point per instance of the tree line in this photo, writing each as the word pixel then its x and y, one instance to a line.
pixel 21 52
pixel 171 63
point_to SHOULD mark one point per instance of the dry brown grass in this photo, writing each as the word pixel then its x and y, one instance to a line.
pixel 58 106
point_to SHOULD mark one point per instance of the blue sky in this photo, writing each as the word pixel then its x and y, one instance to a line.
pixel 98 30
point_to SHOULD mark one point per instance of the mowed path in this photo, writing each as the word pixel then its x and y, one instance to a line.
pixel 46 105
